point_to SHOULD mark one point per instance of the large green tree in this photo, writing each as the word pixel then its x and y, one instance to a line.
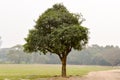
pixel 57 31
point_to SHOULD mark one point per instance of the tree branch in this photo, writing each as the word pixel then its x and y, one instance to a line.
pixel 49 50
pixel 68 50
pixel 60 56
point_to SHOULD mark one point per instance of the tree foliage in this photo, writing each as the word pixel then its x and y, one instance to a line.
pixel 57 31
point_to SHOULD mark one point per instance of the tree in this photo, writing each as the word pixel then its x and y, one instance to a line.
pixel 0 41
pixel 57 31
pixel 16 54
pixel 112 55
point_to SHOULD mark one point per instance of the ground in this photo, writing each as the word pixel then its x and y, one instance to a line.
pixel 46 72
pixel 98 75
pixel 103 75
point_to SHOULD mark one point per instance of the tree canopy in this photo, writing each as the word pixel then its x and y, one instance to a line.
pixel 57 31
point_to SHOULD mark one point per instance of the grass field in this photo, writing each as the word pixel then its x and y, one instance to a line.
pixel 34 71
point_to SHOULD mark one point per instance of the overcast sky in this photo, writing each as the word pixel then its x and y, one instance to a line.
pixel 102 19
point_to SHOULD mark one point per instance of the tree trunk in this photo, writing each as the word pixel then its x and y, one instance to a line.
pixel 63 60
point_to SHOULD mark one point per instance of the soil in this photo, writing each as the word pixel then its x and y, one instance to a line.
pixel 103 75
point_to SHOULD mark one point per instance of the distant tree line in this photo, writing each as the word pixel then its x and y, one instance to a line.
pixel 93 55
pixel 0 41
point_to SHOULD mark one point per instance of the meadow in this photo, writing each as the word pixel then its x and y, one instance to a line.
pixel 35 71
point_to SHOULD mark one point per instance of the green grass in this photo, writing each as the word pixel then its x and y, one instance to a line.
pixel 34 71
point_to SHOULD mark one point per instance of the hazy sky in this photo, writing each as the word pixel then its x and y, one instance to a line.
pixel 102 19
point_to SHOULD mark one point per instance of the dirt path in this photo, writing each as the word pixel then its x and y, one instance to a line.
pixel 100 75
pixel 103 75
